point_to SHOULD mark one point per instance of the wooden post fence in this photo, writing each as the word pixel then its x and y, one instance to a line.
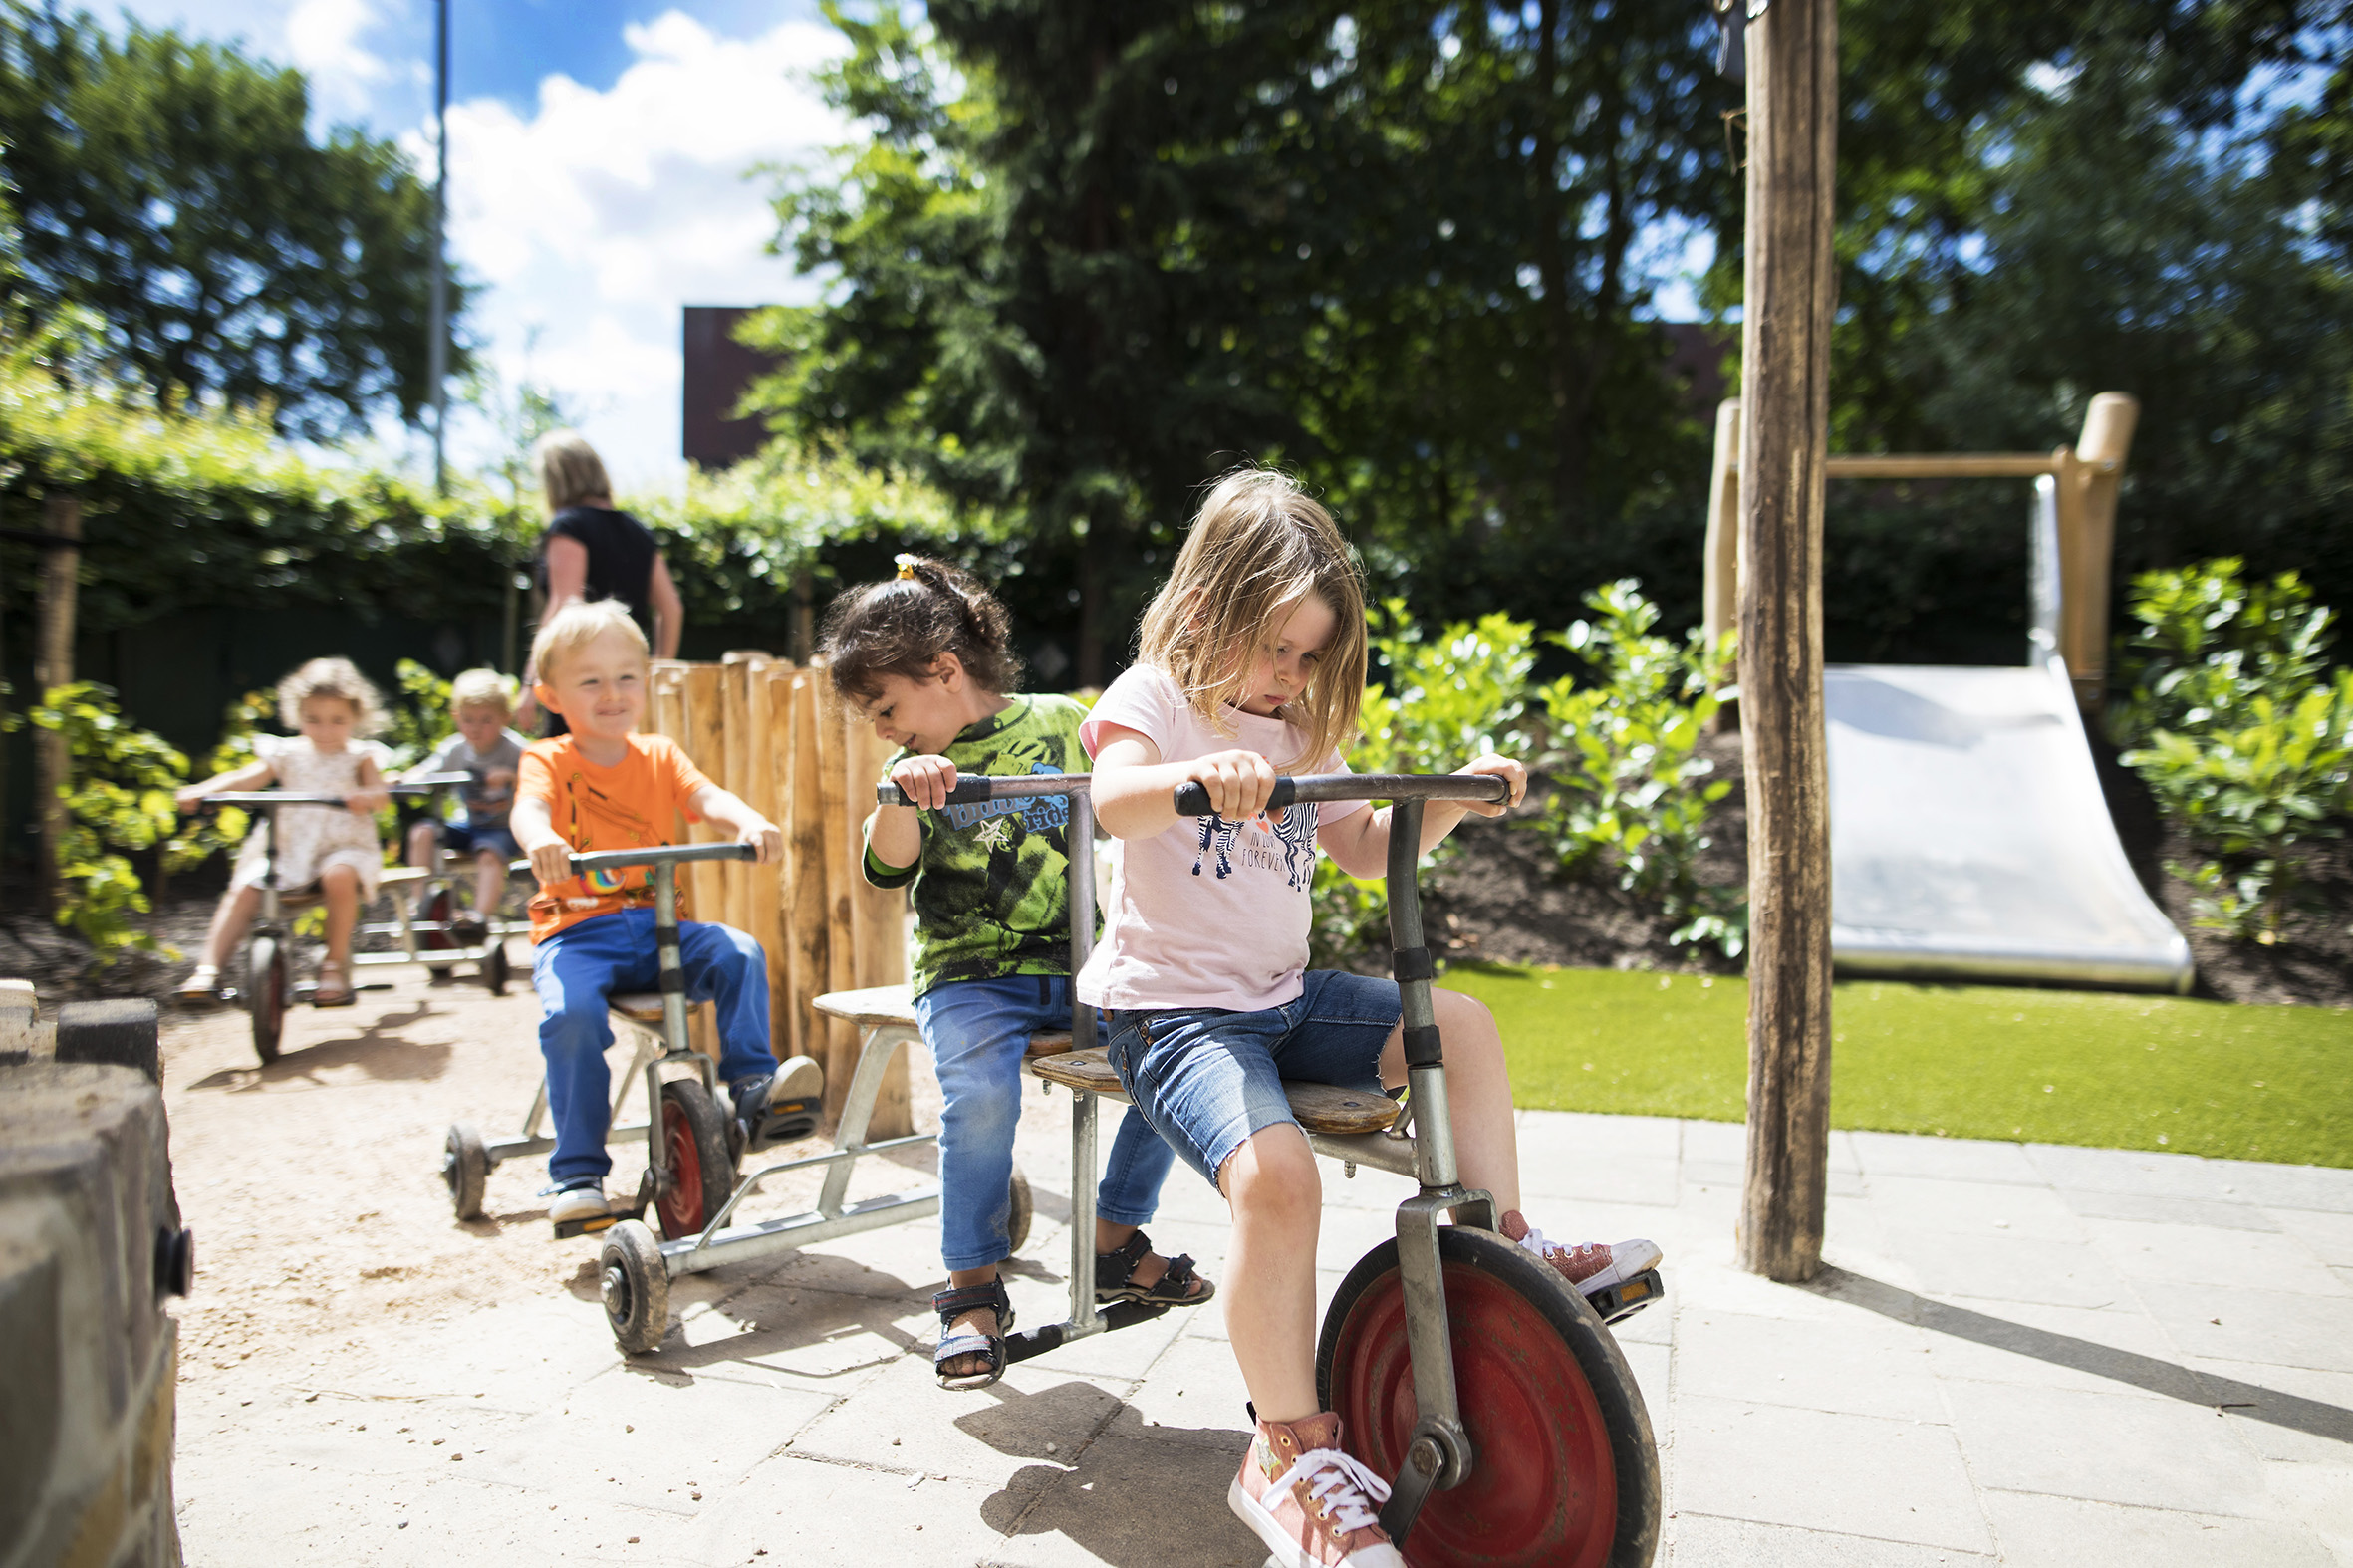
pixel 61 582
pixel 771 732
pixel 1791 290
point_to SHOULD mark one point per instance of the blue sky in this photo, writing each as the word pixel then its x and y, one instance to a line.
pixel 599 151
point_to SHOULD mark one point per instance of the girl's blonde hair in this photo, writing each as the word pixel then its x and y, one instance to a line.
pixel 570 472
pixel 1258 547
pixel 330 677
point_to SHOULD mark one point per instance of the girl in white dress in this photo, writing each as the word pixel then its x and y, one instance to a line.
pixel 334 708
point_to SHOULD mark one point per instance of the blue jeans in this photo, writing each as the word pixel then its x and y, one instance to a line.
pixel 573 970
pixel 1207 1078
pixel 976 1032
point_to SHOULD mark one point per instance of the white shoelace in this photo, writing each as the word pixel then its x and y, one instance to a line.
pixel 1340 1484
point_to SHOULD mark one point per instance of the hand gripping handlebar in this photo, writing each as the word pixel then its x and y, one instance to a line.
pixel 1192 797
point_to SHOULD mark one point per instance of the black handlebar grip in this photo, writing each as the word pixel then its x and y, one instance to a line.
pixel 968 792
pixel 1192 797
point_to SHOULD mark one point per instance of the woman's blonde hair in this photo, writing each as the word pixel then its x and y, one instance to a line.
pixel 575 627
pixel 1257 548
pixel 330 677
pixel 570 472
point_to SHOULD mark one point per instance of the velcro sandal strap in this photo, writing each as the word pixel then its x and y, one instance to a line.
pixel 1113 1268
pixel 953 1304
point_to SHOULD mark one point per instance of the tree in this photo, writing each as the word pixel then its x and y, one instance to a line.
pixel 172 187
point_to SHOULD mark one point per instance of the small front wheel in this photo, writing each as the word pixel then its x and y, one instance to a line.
pixel 266 987
pixel 465 1169
pixel 694 1147
pixel 1018 1218
pixel 1564 1467
pixel 636 1287
pixel 494 967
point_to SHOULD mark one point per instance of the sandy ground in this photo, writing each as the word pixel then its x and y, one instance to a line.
pixel 314 1184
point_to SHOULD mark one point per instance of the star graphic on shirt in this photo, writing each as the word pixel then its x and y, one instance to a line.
pixel 995 833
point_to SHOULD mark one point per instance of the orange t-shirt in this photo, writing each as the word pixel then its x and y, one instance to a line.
pixel 632 805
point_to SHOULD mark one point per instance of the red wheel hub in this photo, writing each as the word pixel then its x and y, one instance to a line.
pixel 1543 1488
pixel 680 1208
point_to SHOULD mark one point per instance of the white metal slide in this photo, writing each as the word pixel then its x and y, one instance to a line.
pixel 1968 838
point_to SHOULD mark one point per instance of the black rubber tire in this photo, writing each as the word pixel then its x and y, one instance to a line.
pixel 634 1286
pixel 465 1169
pixel 266 988
pixel 122 1033
pixel 1546 1300
pixel 1018 1218
pixel 702 1171
pixel 494 967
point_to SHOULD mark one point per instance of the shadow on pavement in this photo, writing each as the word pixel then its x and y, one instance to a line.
pixel 378 1050
pixel 2101 1360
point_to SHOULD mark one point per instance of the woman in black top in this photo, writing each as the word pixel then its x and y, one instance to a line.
pixel 591 551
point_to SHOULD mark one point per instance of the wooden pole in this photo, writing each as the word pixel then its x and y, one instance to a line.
pixel 847 965
pixel 1720 593
pixel 2087 541
pixel 805 915
pixel 61 583
pixel 772 715
pixel 1784 446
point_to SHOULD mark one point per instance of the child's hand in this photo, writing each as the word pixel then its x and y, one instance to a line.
pixel 365 802
pixel 1505 769
pixel 1238 782
pixel 763 836
pixel 189 797
pixel 551 862
pixel 925 780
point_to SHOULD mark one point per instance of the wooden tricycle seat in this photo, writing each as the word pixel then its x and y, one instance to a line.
pixel 394 876
pixel 895 1004
pixel 637 1006
pixel 1320 1108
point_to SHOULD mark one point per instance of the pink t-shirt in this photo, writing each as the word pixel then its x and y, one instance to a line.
pixel 1209 913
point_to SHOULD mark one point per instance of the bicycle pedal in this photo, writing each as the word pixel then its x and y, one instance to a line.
pixel 568 1229
pixel 1624 1299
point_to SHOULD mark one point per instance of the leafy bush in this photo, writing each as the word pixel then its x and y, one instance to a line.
pixel 117 798
pixel 1629 790
pixel 2236 733
pixel 1445 701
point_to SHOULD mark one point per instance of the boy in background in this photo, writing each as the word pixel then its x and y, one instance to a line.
pixel 603 786
pixel 491 755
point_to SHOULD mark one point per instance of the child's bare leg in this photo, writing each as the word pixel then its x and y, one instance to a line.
pixel 341 885
pixel 1478 1092
pixel 424 844
pixel 236 912
pixel 489 883
pixel 1277 1198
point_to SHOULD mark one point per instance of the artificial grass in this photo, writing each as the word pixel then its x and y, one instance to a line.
pixel 1962 1061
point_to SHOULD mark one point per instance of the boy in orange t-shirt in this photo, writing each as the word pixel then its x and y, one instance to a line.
pixel 605 787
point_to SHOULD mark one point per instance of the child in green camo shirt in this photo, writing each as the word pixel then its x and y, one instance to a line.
pixel 925 659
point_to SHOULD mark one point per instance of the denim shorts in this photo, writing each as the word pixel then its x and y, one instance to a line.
pixel 1207 1078
pixel 462 838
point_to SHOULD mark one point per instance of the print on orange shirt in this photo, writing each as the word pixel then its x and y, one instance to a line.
pixel 627 806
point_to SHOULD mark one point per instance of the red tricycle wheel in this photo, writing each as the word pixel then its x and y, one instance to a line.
pixel 695 1147
pixel 1564 1467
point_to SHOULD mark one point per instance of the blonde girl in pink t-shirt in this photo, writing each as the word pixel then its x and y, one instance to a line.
pixel 1252 663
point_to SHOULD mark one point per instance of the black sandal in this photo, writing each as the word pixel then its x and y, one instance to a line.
pixel 953 1304
pixel 1114 1281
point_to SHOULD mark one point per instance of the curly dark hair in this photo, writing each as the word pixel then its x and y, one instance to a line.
pixel 898 627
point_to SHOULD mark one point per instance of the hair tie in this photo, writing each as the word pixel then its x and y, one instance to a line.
pixel 907 565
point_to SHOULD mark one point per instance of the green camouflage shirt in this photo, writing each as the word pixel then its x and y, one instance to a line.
pixel 991 887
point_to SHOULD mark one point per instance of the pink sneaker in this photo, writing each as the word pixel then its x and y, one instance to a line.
pixel 1592 1267
pixel 1312 1505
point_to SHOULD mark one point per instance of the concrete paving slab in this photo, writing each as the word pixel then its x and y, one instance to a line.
pixel 1607 1178
pixel 2324 1187
pixel 1583 1134
pixel 1898 1480
pixel 1974 1208
pixel 2329 1235
pixel 2116 1350
pixel 1719 1142
pixel 1703 1541
pixel 2134 1171
pixel 1194 1392
pixel 2196 1254
pixel 2321 1498
pixel 2068 1532
pixel 2224 1214
pixel 2291 1414
pixel 2107 1447
pixel 1860 1368
pixel 2004 1267
pixel 797 1512
pixel 2227 1324
pixel 1118 1502
pixel 903 1420
pixel 1945 1159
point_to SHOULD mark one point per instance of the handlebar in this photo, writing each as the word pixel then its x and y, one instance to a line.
pixel 1192 797
pixel 973 788
pixel 658 855
pixel 427 785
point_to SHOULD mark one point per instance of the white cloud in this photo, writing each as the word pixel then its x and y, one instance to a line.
pixel 322 40
pixel 595 220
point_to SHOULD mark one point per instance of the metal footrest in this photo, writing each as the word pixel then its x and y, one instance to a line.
pixel 1624 1299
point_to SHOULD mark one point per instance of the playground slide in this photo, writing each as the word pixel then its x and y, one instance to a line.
pixel 1968 838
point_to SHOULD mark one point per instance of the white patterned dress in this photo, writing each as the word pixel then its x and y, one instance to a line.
pixel 313 838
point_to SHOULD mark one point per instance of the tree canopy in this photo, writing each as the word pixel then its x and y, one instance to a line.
pixel 172 186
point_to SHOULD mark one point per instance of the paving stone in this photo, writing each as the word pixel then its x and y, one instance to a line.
pixel 1583 1134
pixel 2067 1532
pixel 1721 1142
pixel 1699 1541
pixel 2321 1498
pixel 2227 1324
pixel 1945 1159
pixel 1605 1178
pixel 811 1514
pixel 903 1420
pixel 1974 1207
pixel 2150 1210
pixel 2106 1447
pixel 2329 1235
pixel 1859 1368
pixel 2208 1255
pixel 2113 1351
pixel 2284 1413
pixel 1892 1479
pixel 2005 1267
pixel 1132 1497
pixel 2324 1187
pixel 1195 1393
pixel 2130 1171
